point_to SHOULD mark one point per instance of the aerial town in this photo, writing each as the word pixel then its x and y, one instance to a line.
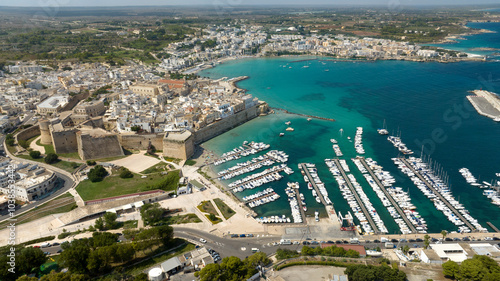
pixel 108 170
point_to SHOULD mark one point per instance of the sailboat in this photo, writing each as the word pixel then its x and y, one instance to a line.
pixel 383 131
pixel 341 131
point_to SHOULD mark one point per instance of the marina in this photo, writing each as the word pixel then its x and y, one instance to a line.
pixel 443 199
pixel 492 193
pixel 358 141
pixel 244 150
pixel 364 205
pixel 268 159
pixel 374 168
pixel 260 198
pixel 294 200
pixel 396 141
pixel 258 179
pixel 337 150
pixel 312 179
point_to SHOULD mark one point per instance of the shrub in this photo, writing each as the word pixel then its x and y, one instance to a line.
pixel 35 154
pixel 51 158
pixel 9 142
pixel 97 173
pixel 24 144
pixel 126 173
pixel 91 162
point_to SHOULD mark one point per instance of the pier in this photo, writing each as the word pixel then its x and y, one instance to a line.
pixel 330 210
pixel 304 115
pixel 493 227
pixel 393 202
pixel 355 193
pixel 254 163
pixel 299 202
pixel 258 178
pixel 438 194
pixel 486 103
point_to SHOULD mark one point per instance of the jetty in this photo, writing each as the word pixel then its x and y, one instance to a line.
pixel 272 171
pixel 356 196
pixel 393 202
pixel 303 115
pixel 330 210
pixel 486 103
pixel 301 209
pixel 493 227
pixel 438 194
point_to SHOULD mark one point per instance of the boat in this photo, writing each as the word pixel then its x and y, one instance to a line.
pixel 288 122
pixel 304 208
pixel 316 215
pixel 497 119
pixel 290 129
pixel 309 119
pixel 306 66
pixel 327 70
pixel 334 141
pixel 349 138
pixel 282 134
pixel 373 253
pixel 383 130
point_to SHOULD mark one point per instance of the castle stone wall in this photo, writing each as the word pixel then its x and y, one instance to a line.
pixel 28 133
pixel 134 141
pixel 225 124
pixel 95 147
pixel 65 141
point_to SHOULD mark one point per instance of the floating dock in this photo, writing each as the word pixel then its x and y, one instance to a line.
pixel 438 194
pixel 393 202
pixel 330 210
pixel 355 193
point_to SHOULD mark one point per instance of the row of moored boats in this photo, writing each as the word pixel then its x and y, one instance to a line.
pixel 237 153
pixel 490 193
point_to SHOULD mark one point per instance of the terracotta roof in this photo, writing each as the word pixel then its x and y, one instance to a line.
pixel 173 83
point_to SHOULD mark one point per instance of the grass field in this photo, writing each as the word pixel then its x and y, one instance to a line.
pixel 226 211
pixel 113 185
pixel 180 219
pixel 160 167
pixel 65 165
pixel 49 148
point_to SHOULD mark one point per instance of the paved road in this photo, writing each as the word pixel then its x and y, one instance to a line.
pixel 68 183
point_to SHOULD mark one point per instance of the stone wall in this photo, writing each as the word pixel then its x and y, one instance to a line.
pixel 225 124
pixel 65 141
pixel 28 133
pixel 178 149
pixel 74 100
pixel 134 141
pixel 45 131
pixel 95 147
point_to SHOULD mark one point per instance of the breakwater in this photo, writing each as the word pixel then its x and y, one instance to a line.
pixel 304 115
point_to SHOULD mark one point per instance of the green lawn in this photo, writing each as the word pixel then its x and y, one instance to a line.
pixel 190 162
pixel 113 185
pixel 108 159
pixel 49 148
pixel 226 211
pixel 216 221
pixel 73 155
pixel 130 224
pixel 12 149
pixel 65 165
pixel 207 207
pixel 160 167
pixel 30 140
pixel 180 219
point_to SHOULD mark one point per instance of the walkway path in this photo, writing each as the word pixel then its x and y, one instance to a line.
pixel 35 146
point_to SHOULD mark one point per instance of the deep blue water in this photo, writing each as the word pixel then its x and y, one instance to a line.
pixel 424 101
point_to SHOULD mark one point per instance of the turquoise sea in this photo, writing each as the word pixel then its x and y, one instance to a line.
pixel 472 44
pixel 425 102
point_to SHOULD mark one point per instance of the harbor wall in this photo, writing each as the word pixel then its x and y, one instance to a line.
pixel 225 124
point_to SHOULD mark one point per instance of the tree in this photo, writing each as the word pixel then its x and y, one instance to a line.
pixel 406 249
pixel 212 217
pixel 23 143
pixel 9 142
pixel 30 258
pixel 91 162
pixel 35 154
pixel 64 276
pixel 426 241
pixel 211 272
pixel 103 239
pixel 126 173
pixel 152 213
pixel 124 252
pixel 99 224
pixel 472 269
pixel 141 277
pixel 75 257
pixel 444 233
pixel 450 269
pixel 135 128
pixel 51 158
pixel 97 173
pixel 110 220
pixel 26 278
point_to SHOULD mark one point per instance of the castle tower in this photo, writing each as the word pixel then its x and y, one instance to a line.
pixel 45 131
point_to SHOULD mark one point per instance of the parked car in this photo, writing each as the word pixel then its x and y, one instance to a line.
pixel 394 240
pixel 242 235
pixel 203 240
pixel 376 241
pixel 55 244
pixel 60 251
pixel 234 235
pixel 419 240
pixel 250 235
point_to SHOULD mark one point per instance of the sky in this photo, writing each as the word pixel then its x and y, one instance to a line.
pixel 90 3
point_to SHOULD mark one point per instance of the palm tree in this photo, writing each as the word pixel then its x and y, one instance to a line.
pixel 444 233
